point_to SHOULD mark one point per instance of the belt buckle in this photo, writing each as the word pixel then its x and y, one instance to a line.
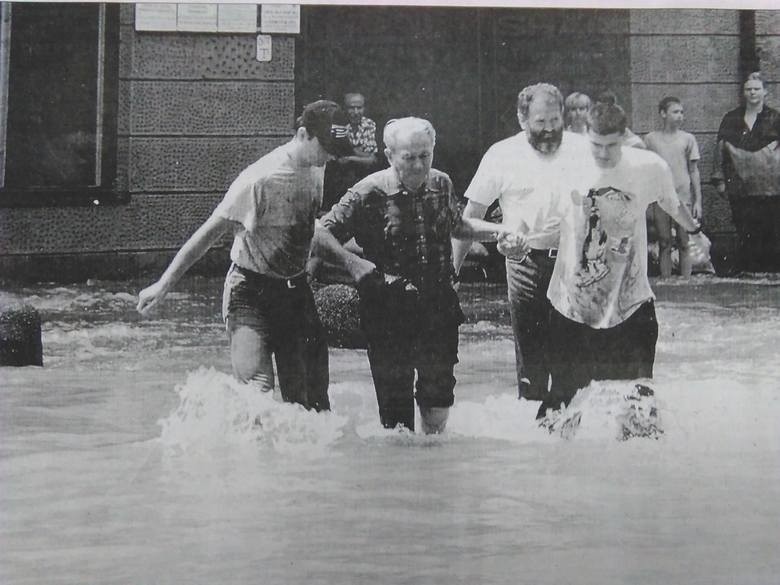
pixel 290 283
pixel 552 253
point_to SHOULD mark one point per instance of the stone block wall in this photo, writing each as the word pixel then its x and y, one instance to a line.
pixel 768 49
pixel 694 55
pixel 194 109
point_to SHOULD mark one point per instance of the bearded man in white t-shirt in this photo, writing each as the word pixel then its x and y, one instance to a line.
pixel 603 324
pixel 528 173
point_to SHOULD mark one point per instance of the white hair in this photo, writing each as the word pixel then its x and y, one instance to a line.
pixel 406 127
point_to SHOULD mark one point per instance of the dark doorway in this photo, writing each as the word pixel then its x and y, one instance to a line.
pixel 461 68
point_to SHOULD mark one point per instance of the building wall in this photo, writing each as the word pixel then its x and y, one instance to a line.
pixel 694 55
pixel 768 49
pixel 194 109
pixel 197 108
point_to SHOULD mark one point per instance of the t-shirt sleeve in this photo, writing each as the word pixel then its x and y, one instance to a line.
pixel 484 187
pixel 243 203
pixel 693 148
pixel 650 142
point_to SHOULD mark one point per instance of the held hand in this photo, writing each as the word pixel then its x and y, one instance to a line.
pixel 150 297
pixel 513 245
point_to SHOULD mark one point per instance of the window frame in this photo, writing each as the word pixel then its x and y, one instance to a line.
pixel 104 191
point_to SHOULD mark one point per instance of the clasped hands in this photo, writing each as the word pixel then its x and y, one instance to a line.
pixel 513 245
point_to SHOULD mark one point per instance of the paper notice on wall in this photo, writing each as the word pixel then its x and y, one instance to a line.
pixel 239 18
pixel 197 18
pixel 155 17
pixel 280 18
pixel 264 48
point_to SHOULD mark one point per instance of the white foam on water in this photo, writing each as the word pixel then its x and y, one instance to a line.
pixel 215 410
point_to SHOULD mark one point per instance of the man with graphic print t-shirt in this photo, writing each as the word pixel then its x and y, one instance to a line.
pixel 603 325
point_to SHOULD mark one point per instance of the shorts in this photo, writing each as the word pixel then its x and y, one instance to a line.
pixel 285 318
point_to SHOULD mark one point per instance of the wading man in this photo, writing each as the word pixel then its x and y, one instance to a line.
pixel 268 306
pixel 403 218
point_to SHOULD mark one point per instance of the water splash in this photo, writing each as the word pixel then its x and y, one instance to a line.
pixel 603 411
pixel 215 410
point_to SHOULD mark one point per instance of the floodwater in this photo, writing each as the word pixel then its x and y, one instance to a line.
pixel 131 458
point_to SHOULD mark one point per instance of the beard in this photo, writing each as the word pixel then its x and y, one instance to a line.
pixel 546 141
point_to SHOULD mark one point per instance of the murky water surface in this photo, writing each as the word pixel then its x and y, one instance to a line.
pixel 131 458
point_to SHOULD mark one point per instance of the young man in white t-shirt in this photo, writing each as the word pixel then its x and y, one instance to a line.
pixel 603 325
pixel 268 306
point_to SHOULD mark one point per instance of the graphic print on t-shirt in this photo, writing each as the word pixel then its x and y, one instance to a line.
pixel 609 227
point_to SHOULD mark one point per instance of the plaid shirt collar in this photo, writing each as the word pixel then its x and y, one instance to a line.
pixel 391 184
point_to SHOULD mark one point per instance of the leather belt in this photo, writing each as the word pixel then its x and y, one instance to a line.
pixel 551 253
pixel 256 277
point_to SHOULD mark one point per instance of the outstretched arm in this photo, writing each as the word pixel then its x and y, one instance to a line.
pixel 192 250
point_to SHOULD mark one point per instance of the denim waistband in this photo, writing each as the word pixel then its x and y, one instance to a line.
pixel 255 277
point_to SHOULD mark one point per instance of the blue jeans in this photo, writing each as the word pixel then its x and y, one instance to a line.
pixel 267 316
pixel 530 310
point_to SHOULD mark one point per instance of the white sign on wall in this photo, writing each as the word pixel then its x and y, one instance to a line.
pixel 197 18
pixel 202 17
pixel 280 18
pixel 155 17
pixel 264 48
pixel 237 18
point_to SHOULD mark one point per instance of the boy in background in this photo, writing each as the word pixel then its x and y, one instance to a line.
pixel 681 152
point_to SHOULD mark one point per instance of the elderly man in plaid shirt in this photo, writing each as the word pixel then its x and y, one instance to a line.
pixel 404 218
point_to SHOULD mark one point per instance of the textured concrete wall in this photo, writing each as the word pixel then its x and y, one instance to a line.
pixel 694 55
pixel 194 109
pixel 768 49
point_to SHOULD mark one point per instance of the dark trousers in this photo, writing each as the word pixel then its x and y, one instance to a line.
pixel 530 311
pixel 581 354
pixel 757 220
pixel 408 331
